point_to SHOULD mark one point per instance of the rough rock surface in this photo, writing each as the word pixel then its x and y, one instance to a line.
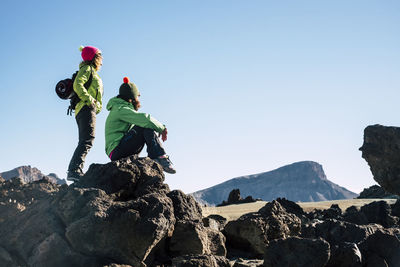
pixel 295 251
pixel 345 255
pixel 376 191
pixel 200 261
pixel 252 232
pixel 381 149
pixel 120 213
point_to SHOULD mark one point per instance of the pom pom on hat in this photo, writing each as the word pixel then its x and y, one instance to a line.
pixel 81 48
pixel 126 80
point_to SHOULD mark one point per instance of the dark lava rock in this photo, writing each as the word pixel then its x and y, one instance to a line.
pixel 215 221
pixel 248 263
pixel 345 255
pixel 253 231
pixel 120 213
pixel 235 198
pixel 295 251
pixel 337 232
pixel 375 212
pixel 381 149
pixel 381 248
pixel 376 191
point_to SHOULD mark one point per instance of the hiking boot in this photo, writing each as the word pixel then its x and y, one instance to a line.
pixel 166 164
pixel 73 177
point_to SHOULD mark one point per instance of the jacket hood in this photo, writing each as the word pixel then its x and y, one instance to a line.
pixel 116 102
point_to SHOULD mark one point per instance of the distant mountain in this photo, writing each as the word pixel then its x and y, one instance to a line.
pixel 302 181
pixel 29 174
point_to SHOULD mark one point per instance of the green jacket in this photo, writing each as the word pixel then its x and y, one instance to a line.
pixel 93 94
pixel 122 118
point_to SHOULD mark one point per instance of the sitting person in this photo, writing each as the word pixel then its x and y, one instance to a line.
pixel 127 130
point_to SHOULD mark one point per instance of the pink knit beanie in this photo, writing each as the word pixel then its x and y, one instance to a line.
pixel 88 52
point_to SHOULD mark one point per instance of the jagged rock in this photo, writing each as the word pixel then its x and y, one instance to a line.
pixel 252 232
pixel 295 251
pixel 247 263
pixel 334 212
pixel 379 212
pixel 345 255
pixel 381 248
pixel 213 224
pixel 126 179
pixel 185 206
pixel 381 149
pixel 6 259
pixel 235 198
pixel 2 180
pixel 337 232
pixel 353 215
pixel 200 261
pixel 291 207
pixel 375 212
pixel 218 218
pixel 193 238
pixel 376 191
pixel 119 213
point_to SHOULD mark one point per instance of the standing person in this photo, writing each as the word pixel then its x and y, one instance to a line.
pixel 127 130
pixel 89 105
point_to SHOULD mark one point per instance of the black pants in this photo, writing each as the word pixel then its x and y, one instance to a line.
pixel 133 142
pixel 86 120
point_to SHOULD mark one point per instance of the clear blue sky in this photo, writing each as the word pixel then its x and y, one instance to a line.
pixel 243 86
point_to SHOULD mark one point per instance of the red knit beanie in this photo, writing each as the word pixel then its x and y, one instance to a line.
pixel 88 52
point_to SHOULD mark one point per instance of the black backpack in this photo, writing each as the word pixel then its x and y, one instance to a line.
pixel 65 90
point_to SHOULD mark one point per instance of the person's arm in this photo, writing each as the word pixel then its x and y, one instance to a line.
pixel 141 119
pixel 81 78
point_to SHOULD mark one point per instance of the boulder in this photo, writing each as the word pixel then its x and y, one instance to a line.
pixel 380 248
pixel 337 232
pixel 235 198
pixel 379 212
pixel 375 191
pixel 353 215
pixel 193 238
pixel 252 232
pixel 345 255
pixel 295 251
pixel 200 261
pixel 381 149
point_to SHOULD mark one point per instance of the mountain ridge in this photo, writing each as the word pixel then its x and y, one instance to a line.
pixel 300 181
pixel 29 174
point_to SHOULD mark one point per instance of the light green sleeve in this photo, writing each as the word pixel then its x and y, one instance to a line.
pixel 81 78
pixel 140 119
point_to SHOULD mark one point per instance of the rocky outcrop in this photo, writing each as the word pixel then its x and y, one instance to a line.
pixel 381 149
pixel 122 214
pixel 376 191
pixel 301 181
pixel 235 198
pixel 252 232
pixel 29 174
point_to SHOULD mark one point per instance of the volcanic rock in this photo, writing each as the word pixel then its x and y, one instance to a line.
pixel 295 251
pixel 120 213
pixel 381 247
pixel 376 191
pixel 345 255
pixel 381 149
pixel 253 231
pixel 235 198
pixel 375 212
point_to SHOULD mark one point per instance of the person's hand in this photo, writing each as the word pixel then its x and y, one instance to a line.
pixel 164 135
